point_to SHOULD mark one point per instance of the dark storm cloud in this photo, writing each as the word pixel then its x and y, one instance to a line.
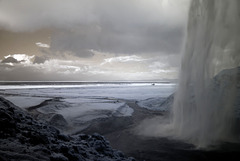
pixel 39 59
pixel 116 26
pixel 151 39
pixel 10 60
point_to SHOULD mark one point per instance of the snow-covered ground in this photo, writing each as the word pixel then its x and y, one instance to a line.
pixel 84 102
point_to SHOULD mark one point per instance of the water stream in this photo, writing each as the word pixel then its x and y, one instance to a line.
pixel 204 105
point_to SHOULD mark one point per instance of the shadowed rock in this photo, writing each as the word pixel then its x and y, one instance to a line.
pixel 24 138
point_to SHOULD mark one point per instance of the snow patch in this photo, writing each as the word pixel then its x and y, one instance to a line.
pixel 123 110
pixel 24 102
pixel 157 103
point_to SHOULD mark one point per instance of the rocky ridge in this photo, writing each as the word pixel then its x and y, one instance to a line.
pixel 24 138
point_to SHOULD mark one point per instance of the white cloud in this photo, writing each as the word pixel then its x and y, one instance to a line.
pixel 134 68
pixel 123 59
pixel 22 58
pixel 158 71
pixel 157 65
pixel 42 45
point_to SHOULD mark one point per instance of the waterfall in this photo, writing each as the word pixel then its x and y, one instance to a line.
pixel 204 105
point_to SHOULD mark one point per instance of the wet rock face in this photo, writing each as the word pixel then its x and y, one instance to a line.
pixel 23 138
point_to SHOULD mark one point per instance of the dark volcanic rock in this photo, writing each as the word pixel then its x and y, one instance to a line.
pixel 23 138
pixel 58 121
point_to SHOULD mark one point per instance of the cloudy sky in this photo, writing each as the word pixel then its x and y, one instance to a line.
pixel 91 40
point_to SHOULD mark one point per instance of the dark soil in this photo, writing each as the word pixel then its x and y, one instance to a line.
pixel 118 130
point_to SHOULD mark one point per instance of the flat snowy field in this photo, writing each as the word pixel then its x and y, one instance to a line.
pixel 86 102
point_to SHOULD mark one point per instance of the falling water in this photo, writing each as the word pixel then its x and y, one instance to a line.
pixel 204 111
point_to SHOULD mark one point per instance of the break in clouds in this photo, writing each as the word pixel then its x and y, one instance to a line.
pixel 149 29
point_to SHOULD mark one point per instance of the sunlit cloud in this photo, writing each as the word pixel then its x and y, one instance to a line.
pixel 42 45
pixel 123 59
pixel 20 58
pixel 135 68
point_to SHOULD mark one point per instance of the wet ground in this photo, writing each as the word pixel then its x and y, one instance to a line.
pixel 119 131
